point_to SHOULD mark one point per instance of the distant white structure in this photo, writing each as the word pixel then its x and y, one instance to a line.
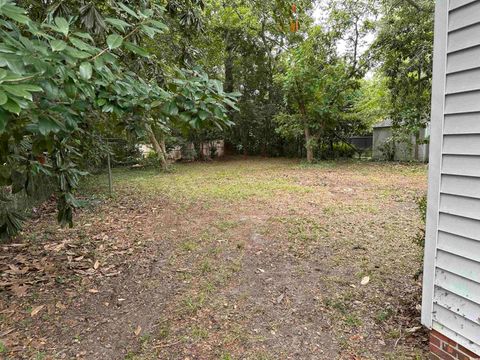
pixel 385 149
pixel 215 148
pixel 451 285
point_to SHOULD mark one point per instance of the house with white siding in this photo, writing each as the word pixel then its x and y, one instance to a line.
pixel 451 292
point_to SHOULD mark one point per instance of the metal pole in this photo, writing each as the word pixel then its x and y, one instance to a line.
pixel 110 181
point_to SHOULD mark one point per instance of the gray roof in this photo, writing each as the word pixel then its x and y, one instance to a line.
pixel 384 124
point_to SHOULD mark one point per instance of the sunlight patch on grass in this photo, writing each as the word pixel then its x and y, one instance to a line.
pixel 208 181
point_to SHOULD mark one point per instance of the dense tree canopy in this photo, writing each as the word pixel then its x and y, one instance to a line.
pixel 271 77
pixel 404 50
pixel 56 82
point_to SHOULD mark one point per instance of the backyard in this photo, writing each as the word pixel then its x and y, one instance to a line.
pixel 239 259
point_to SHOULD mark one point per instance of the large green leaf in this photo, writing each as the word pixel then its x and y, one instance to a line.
pixel 3 97
pixel 58 45
pixel 86 70
pixel 150 31
pixel 20 90
pixel 128 10
pixel 81 45
pixel 14 12
pixel 136 49
pixel 158 24
pixel 47 125
pixel 203 115
pixel 171 108
pixel 11 106
pixel 114 41
pixel 118 24
pixel 78 54
pixel 83 35
pixel 62 25
pixel 71 89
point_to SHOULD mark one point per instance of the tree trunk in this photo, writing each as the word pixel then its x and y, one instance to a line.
pixel 309 145
pixel 308 135
pixel 159 149
pixel 229 59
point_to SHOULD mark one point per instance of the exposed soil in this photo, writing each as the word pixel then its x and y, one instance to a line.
pixel 245 259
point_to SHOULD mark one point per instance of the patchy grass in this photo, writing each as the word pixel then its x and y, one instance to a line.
pixel 217 181
pixel 245 259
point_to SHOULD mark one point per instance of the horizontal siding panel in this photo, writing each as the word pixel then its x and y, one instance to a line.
pixel 465 16
pixel 461 206
pixel 466 328
pixel 463 102
pixel 458 305
pixel 457 338
pixel 462 144
pixel 459 245
pixel 460 185
pixel 463 81
pixel 453 4
pixel 467 59
pixel 461 165
pixel 463 39
pixel 462 123
pixel 465 288
pixel 458 265
pixel 459 226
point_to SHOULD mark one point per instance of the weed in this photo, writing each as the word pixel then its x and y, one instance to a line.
pixel 338 305
pixel 164 331
pixel 199 333
pixel 130 355
pixel 353 320
pixel 394 334
pixel 195 303
pixel 383 315
pixel 189 246
pixel 225 225
pixel 209 288
pixel 40 355
pixel 145 338
pixel 205 267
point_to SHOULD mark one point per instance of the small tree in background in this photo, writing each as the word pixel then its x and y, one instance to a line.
pixel 317 87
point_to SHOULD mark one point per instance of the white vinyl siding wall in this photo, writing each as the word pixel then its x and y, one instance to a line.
pixel 451 298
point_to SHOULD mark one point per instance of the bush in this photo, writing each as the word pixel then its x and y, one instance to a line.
pixel 338 150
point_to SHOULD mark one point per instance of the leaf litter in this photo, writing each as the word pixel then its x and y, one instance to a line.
pixel 143 257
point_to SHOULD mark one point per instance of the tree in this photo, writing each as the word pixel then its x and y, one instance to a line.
pixel 404 48
pixel 354 22
pixel 242 41
pixel 316 83
pixel 372 101
pixel 54 79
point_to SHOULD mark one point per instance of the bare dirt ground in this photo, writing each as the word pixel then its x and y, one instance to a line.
pixel 245 259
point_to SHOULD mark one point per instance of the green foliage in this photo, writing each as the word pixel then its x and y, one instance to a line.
pixel 404 49
pixel 56 82
pixel 372 103
pixel 318 89
pixel 336 150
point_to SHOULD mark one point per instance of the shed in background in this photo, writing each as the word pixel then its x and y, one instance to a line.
pixel 386 149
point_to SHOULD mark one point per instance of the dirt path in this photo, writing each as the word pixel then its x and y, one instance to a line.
pixel 259 259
